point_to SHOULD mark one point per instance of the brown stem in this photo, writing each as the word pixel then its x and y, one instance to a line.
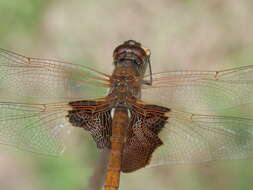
pixel 97 179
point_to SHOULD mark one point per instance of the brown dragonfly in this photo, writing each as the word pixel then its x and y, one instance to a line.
pixel 144 118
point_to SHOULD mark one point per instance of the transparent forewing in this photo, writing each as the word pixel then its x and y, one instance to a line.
pixel 190 138
pixel 199 91
pixel 23 77
pixel 34 127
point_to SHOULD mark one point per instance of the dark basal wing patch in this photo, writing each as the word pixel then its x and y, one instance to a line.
pixel 95 117
pixel 142 136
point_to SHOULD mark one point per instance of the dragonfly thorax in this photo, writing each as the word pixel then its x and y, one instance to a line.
pixel 124 89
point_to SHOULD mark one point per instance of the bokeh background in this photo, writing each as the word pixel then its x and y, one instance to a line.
pixel 182 34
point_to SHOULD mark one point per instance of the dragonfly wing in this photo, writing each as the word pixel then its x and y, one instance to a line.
pixel 200 91
pixel 142 138
pixel 23 78
pixel 34 127
pixel 94 117
pixel 190 138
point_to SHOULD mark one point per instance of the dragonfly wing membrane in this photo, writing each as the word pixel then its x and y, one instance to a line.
pixel 46 81
pixel 201 91
pixel 142 136
pixel 94 117
pixel 190 138
pixel 32 127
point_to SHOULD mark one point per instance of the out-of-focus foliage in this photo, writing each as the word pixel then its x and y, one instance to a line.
pixel 210 34
pixel 20 17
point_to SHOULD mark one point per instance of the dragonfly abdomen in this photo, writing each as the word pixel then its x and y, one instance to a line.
pixel 119 126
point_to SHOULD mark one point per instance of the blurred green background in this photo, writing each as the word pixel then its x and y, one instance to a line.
pixel 182 34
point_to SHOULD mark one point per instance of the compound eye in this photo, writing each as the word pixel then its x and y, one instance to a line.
pixel 132 43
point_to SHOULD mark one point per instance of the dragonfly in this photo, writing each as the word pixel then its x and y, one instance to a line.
pixel 145 119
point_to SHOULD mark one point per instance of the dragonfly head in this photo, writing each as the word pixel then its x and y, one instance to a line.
pixel 132 52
